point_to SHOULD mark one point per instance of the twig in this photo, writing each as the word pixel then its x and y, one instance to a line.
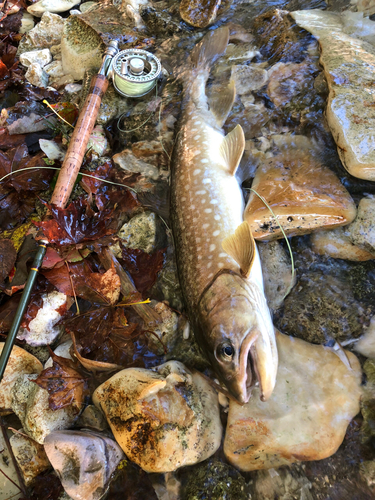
pixel 22 486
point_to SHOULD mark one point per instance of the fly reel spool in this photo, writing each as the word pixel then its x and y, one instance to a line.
pixel 135 72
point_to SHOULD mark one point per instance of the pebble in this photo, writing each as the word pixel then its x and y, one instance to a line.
pixel 42 330
pixel 30 456
pixel 163 418
pixel 27 23
pixel 366 343
pixel 46 33
pixel 8 484
pixel 37 9
pixel 280 483
pixel 73 87
pixel 98 142
pixel 129 162
pixel 54 70
pixel 20 362
pixel 36 75
pixel 83 460
pixel 286 80
pixel 140 232
pixel 362 230
pixel 86 6
pixel 336 243
pixel 315 397
pixel 42 57
pixel 53 150
pixel 248 78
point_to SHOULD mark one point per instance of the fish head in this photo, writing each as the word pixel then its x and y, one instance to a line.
pixel 239 337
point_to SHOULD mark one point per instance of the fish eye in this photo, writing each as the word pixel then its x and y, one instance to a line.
pixel 225 351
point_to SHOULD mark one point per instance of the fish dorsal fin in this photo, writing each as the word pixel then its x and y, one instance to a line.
pixel 232 147
pixel 241 247
pixel 222 102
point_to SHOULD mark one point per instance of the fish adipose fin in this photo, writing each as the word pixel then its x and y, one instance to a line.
pixel 222 102
pixel 232 148
pixel 213 45
pixel 241 247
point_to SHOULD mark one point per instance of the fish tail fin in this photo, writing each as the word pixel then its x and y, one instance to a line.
pixel 212 46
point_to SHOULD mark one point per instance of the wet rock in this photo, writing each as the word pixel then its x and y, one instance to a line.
pixel 199 14
pixel 366 343
pixel 73 87
pixel 42 330
pixel 163 418
pixel 159 22
pixel 37 9
pixel 368 472
pixel 86 6
pixel 27 23
pixel 167 287
pixel 304 195
pixel 30 404
pixel 62 350
pixel 140 232
pixel 348 64
pixel 81 48
pixel 362 230
pixel 36 75
pixel 92 418
pixel 30 456
pixel 98 142
pixel 368 402
pixel 83 460
pixel 315 397
pixel 27 124
pixel 169 329
pixel 129 162
pixel 46 33
pixel 54 71
pixel 42 57
pixel 8 484
pixel 214 480
pixel 131 480
pixel 251 118
pixel 248 78
pixel 53 150
pixel 321 308
pixel 281 483
pixel 235 54
pixel 20 362
pixel 336 243
pixel 277 272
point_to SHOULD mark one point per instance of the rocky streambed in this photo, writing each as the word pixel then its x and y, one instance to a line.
pixel 107 394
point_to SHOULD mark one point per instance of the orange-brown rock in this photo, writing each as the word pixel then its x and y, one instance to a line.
pixel 200 13
pixel 316 395
pixel 304 195
pixel 337 244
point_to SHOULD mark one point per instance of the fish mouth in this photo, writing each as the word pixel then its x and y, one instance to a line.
pixel 243 383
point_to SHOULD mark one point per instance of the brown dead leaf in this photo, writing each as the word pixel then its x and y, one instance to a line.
pixel 8 256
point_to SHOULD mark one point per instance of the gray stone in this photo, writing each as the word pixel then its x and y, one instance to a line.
pixel 36 75
pixel 140 232
pixel 92 418
pixel 248 78
pixel 362 230
pixel 46 33
pixel 8 484
pixel 84 461
pixel 30 456
pixel 37 9
pixel 128 161
pixel 86 6
pixel 42 57
pixel 349 65
pixel 28 124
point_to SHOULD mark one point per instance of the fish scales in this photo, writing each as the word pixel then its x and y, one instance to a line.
pixel 223 288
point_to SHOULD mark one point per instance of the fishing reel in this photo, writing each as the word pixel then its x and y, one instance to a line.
pixel 134 72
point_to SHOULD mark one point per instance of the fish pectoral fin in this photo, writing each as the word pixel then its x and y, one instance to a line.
pixel 241 247
pixel 232 148
pixel 222 102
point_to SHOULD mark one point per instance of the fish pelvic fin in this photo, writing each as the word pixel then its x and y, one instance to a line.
pixel 232 148
pixel 241 247
pixel 212 46
pixel 221 103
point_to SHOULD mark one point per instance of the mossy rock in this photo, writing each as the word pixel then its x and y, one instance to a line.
pixel 213 480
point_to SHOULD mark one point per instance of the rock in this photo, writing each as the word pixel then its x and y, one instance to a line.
pixel 163 418
pixel 367 469
pixel 337 244
pixel 366 343
pixel 53 150
pixel 30 456
pixel 235 54
pixel 83 460
pixel 36 75
pixel 365 6
pixel 277 272
pixel 348 64
pixel 30 404
pixel 20 363
pixel 54 70
pixel 92 418
pixel 199 14
pixel 134 481
pixel 75 12
pixel 42 57
pixel 129 162
pixel 214 480
pixel 73 87
pixel 62 350
pixel 45 34
pixel 98 142
pixel 86 6
pixel 281 483
pixel 362 231
pixel 304 194
pixel 27 124
pixel 140 232
pixel 27 23
pixel 248 78
pixel 315 397
pixel 42 330
pixel 169 329
pixel 321 308
pixel 252 119
pixel 368 402
pixel 37 9
pixel 8 484
pixel 81 48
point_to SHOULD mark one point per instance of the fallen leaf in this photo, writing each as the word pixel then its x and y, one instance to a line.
pixel 67 111
pixel 7 312
pixel 93 365
pixel 143 267
pixel 8 256
pixel 65 385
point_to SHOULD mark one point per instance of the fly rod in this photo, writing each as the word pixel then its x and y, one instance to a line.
pixel 65 183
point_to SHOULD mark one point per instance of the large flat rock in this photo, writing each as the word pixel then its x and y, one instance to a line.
pixel 349 67
pixel 316 395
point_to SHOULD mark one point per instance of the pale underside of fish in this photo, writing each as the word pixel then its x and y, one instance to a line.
pixel 218 262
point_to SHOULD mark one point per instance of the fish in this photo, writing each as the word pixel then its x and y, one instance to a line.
pixel 217 259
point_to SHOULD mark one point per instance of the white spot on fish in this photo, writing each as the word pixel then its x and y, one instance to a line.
pixel 198 240
pixel 192 207
pixel 197 171
pixel 205 226
pixel 197 152
pixel 210 275
pixel 213 202
pixel 203 201
pixel 199 257
pixel 194 129
pixel 209 265
pixel 204 160
pixel 201 192
pixel 199 249
pixel 197 122
pixel 221 264
pixel 222 254
pixel 212 247
pixel 217 217
pixel 216 233
pixel 209 257
pixel 183 198
pixel 197 137
pixel 208 210
pixel 206 181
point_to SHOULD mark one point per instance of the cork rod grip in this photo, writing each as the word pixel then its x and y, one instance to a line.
pixel 78 143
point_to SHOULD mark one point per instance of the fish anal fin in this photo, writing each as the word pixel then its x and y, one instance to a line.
pixel 221 103
pixel 241 247
pixel 212 46
pixel 232 148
